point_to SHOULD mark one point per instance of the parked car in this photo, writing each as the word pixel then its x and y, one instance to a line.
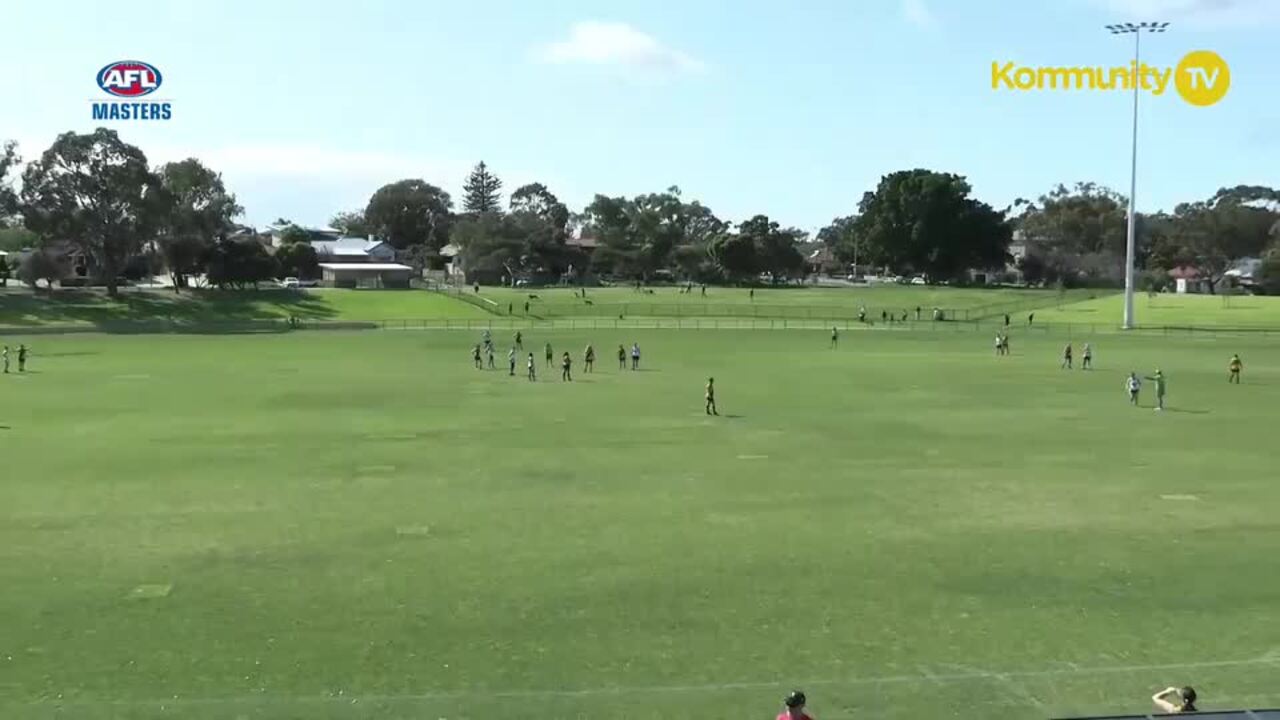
pixel 917 280
pixel 290 282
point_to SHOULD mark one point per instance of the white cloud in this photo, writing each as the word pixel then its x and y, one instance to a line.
pixel 612 43
pixel 1197 13
pixel 918 14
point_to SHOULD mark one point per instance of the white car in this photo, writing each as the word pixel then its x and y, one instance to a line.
pixel 290 282
pixel 917 280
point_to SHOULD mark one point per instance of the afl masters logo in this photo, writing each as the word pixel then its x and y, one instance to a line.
pixel 130 80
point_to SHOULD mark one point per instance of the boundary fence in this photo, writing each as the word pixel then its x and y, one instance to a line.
pixel 281 325
pixel 697 308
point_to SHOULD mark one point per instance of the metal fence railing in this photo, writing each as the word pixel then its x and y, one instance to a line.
pixel 267 326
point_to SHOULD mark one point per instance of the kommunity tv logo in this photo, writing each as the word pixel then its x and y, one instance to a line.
pixel 128 81
pixel 1201 78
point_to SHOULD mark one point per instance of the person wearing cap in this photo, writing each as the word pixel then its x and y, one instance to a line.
pixel 1176 700
pixel 794 707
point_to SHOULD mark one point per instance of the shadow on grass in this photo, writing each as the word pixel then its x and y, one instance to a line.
pixel 1186 411
pixel 144 311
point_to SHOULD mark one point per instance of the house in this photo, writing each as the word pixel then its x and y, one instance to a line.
pixel 1244 272
pixel 822 261
pixel 585 243
pixel 452 256
pixel 354 250
pixel 365 275
pixel 313 234
pixel 1188 280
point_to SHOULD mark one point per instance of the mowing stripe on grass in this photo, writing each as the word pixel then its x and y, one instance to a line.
pixel 972 675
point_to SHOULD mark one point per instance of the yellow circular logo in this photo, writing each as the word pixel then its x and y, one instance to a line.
pixel 1202 77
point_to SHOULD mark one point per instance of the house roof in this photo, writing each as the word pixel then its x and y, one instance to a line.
pixel 371 267
pixel 1185 272
pixel 346 246
pixel 450 250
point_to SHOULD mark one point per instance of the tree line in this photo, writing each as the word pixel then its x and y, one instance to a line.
pixel 100 195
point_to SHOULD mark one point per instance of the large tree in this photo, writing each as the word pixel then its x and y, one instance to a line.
pixel 925 221
pixel 481 192
pixel 297 260
pixel 8 163
pixel 351 223
pixel 200 211
pixel 410 212
pixel 98 192
pixel 775 248
pixel 239 264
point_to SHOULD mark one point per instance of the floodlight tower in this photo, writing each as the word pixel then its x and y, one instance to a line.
pixel 1135 29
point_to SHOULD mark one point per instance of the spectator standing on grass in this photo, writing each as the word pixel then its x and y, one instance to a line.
pixel 533 371
pixel 526 307
pixel 589 359
pixel 753 294
pixel 511 361
pixel 1235 366
pixel 6 359
pixel 711 397
pixel 1006 319
pixel 475 357
pixel 793 707
pixel 635 356
pixel 835 337
pixel 1159 380
pixel 999 344
pixel 1176 700
pixel 1066 357
pixel 622 358
pixel 917 313
pixel 862 313
pixel 1086 357
pixel 566 363
pixel 550 354
pixel 519 340
pixel 1031 318
pixel 490 352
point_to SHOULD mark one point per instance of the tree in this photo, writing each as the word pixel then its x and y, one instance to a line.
pixel 1088 218
pixel 200 210
pixel 5 271
pixel 9 160
pixel 735 254
pixel 1269 273
pixel 293 235
pixel 39 265
pixel 238 264
pixel 775 249
pixel 96 191
pixel 924 221
pixel 480 193
pixel 351 223
pixel 17 237
pixel 491 244
pixel 297 260
pixel 410 212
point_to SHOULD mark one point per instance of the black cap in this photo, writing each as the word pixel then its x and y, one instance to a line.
pixel 795 699
pixel 1188 694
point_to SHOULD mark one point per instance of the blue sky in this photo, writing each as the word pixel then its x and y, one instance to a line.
pixel 793 109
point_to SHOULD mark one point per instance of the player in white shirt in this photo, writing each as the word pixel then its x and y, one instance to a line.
pixel 1133 385
pixel 1087 359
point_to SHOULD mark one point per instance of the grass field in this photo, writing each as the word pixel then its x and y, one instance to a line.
pixel 1174 310
pixel 329 525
